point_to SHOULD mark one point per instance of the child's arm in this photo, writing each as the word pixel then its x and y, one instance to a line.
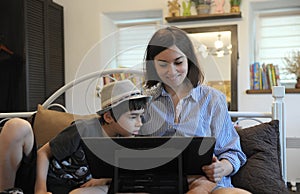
pixel 43 156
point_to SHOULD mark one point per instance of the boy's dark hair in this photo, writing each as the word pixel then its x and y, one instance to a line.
pixel 129 105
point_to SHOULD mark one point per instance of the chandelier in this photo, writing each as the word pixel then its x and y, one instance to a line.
pixel 218 50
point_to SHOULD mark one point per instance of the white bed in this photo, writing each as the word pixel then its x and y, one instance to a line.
pixel 276 111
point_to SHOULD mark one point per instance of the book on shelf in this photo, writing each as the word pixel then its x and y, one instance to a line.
pixel 117 76
pixel 107 79
pixel 277 75
pixel 265 82
pixel 251 76
pixel 256 76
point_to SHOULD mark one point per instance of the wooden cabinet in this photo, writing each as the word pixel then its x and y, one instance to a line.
pixel 33 30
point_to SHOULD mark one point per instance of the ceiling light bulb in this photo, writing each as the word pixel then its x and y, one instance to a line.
pixel 218 43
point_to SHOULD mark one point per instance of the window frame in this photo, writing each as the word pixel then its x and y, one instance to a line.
pixel 288 82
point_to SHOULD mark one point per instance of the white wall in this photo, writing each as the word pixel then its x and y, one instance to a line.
pixel 85 26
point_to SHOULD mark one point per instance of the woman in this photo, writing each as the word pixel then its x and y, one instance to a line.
pixel 181 105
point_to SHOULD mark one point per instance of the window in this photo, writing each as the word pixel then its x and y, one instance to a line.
pixel 132 42
pixel 129 34
pixel 277 34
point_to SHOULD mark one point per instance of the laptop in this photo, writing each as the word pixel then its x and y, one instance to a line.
pixel 144 164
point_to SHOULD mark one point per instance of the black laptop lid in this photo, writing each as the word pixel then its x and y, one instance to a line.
pixel 147 154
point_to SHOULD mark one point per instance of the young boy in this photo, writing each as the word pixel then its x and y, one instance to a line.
pixel 61 163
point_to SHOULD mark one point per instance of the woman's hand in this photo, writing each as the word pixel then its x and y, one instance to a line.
pixel 96 182
pixel 218 169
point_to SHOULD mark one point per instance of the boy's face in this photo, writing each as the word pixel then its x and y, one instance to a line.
pixel 130 122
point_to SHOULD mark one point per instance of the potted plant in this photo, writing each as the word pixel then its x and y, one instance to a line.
pixel 202 6
pixel 292 62
pixel 235 6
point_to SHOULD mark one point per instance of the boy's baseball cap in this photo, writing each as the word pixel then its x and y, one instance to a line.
pixel 114 93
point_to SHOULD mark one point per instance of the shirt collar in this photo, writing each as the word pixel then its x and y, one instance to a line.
pixel 195 93
pixel 158 91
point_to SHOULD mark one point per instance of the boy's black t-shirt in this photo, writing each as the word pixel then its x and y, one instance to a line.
pixel 69 165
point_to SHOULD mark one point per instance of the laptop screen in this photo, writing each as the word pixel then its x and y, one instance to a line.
pixel 148 154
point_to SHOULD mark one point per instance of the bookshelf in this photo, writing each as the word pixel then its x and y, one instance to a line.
pixel 203 17
pixel 263 77
pixel 269 91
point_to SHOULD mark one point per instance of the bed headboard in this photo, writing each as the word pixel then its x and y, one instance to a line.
pixel 276 113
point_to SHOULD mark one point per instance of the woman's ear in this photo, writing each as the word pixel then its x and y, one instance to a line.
pixel 108 118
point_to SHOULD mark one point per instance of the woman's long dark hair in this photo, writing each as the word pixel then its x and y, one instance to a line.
pixel 164 39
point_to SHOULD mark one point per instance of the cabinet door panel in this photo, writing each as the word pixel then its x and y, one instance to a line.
pixel 35 52
pixel 55 66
